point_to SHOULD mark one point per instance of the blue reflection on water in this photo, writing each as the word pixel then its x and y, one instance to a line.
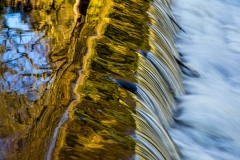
pixel 24 66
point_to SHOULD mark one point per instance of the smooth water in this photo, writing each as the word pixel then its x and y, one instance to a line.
pixel 208 116
pixel 27 69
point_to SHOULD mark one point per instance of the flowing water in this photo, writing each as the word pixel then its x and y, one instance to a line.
pixel 117 79
pixel 207 117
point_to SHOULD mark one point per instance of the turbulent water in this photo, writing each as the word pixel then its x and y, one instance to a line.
pixel 208 116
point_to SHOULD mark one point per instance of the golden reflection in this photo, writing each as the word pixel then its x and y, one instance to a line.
pixel 87 43
pixel 103 109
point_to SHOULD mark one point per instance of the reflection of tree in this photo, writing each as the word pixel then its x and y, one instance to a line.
pixel 21 80
pixel 51 36
pixel 26 70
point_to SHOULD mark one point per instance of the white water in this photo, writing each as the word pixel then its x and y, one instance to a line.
pixel 208 116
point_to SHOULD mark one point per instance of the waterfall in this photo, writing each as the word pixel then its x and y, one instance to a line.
pixel 158 84
pixel 204 124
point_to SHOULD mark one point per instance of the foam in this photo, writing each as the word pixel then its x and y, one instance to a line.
pixel 208 120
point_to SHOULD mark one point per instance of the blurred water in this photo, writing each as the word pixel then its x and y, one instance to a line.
pixel 208 116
